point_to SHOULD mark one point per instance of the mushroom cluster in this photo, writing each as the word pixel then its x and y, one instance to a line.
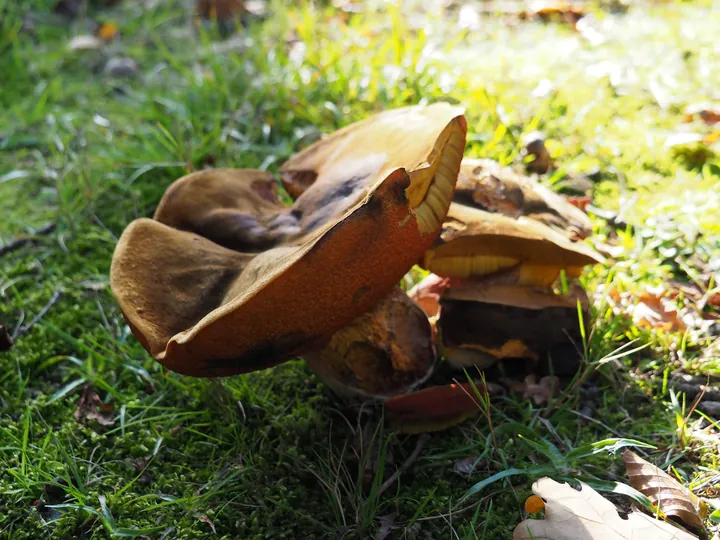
pixel 225 279
pixel 504 244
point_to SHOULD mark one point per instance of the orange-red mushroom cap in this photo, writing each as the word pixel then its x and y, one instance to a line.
pixel 204 309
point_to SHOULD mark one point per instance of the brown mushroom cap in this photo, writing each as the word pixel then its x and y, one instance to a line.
pixel 477 243
pixel 486 185
pixel 203 309
pixel 386 351
pixel 517 322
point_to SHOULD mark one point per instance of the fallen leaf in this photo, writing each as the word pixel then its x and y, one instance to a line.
pixel 435 408
pixel 664 491
pixel 657 308
pixel 91 407
pixel 586 515
pixel 707 112
pixel 6 341
pixel 554 11
pixel 539 391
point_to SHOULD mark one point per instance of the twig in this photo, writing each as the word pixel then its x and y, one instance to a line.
pixel 422 439
pixel 20 242
pixel 26 328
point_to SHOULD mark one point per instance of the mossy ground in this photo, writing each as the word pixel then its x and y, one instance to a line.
pixel 274 454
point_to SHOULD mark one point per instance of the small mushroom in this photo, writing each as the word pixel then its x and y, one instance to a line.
pixel 476 243
pixel 387 351
pixel 484 184
pixel 226 280
pixel 517 322
pixel 534 146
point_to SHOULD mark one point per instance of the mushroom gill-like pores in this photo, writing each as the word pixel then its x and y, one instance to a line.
pixel 475 243
pixel 387 351
pixel 517 322
pixel 202 308
pixel 484 184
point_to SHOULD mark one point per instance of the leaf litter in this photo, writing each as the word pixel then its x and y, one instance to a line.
pixel 91 407
pixel 671 497
pixel 584 514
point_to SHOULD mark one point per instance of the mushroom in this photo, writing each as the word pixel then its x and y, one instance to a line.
pixel 385 352
pixel 476 243
pixel 501 250
pixel 226 280
pixel 504 243
pixel 484 184
pixel 517 322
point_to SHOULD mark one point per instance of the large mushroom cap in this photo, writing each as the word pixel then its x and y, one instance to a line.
pixel 386 351
pixel 477 243
pixel 201 308
pixel 486 185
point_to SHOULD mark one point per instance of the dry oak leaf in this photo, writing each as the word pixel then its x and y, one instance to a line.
pixel 587 515
pixel 664 491
pixel 540 392
pixel 92 407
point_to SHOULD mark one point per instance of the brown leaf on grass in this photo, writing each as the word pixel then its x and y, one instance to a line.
pixel 540 392
pixel 673 499
pixel 91 407
pixel 656 308
pixel 707 112
pixel 6 341
pixel 435 408
pixel 553 11
pixel 586 515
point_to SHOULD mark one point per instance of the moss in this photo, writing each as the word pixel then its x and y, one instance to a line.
pixel 274 454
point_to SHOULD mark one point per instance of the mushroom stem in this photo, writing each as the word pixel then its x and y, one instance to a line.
pixel 386 351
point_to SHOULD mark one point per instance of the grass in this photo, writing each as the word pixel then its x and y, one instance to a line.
pixel 275 454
